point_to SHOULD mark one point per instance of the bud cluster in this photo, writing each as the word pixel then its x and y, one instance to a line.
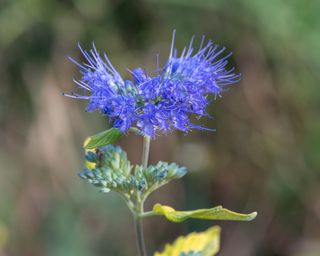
pixel 109 169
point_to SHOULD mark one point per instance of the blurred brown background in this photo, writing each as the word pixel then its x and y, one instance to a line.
pixel 264 155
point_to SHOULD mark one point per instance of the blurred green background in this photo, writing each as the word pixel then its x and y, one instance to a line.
pixel 264 155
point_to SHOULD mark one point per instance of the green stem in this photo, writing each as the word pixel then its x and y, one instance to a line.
pixel 145 151
pixel 139 208
pixel 139 234
pixel 147 214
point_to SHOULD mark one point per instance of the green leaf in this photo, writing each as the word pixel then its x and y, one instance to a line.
pixel 216 213
pixel 205 243
pixel 102 138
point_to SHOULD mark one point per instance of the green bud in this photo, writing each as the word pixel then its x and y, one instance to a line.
pixel 91 156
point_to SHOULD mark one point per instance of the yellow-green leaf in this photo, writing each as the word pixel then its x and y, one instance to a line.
pixel 216 213
pixel 205 243
pixel 102 138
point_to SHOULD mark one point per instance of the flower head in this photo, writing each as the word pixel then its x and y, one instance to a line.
pixel 162 102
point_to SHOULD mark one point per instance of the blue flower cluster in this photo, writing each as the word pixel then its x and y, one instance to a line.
pixel 162 102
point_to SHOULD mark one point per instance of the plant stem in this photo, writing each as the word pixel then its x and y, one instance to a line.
pixel 145 151
pixel 139 208
pixel 147 214
pixel 139 235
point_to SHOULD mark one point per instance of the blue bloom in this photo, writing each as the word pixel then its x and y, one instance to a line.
pixel 162 102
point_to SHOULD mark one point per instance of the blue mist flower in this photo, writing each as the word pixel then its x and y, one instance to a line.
pixel 162 102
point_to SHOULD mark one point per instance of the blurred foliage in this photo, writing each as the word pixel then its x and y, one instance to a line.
pixel 205 243
pixel 264 155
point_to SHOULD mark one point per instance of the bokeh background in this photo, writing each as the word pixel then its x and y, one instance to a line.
pixel 264 155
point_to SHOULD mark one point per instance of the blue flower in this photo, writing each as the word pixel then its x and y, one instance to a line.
pixel 162 102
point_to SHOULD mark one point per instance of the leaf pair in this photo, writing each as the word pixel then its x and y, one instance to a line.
pixel 205 243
